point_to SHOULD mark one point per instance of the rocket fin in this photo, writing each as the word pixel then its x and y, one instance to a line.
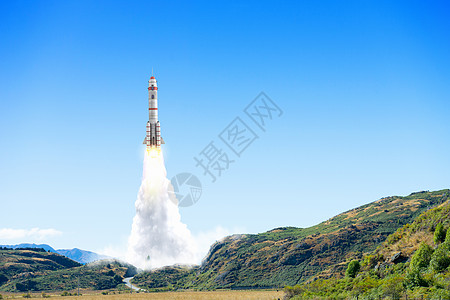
pixel 145 141
pixel 162 141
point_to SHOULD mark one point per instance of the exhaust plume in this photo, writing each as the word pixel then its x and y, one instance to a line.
pixel 158 237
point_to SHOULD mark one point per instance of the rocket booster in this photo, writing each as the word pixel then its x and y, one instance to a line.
pixel 153 138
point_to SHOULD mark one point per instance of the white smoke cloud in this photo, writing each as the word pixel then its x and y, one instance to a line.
pixel 34 234
pixel 203 241
pixel 158 237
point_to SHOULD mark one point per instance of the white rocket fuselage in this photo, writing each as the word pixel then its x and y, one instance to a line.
pixel 153 137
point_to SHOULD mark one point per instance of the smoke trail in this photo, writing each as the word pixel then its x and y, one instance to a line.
pixel 158 237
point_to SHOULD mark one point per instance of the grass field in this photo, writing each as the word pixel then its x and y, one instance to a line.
pixel 220 295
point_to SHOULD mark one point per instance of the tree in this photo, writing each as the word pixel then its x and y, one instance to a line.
pixel 439 234
pixel 419 262
pixel 421 258
pixel 353 269
pixel 292 291
pixel 440 259
pixel 3 279
pixel 26 285
pixel 393 287
pixel 414 278
pixel 364 285
pixel 447 237
pixel 118 279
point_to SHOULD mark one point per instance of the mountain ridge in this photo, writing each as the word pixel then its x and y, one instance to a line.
pixel 35 269
pixel 273 259
pixel 76 254
pixel 412 263
pixel 290 255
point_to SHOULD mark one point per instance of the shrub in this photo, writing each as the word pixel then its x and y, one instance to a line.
pixel 447 237
pixel 419 262
pixel 118 279
pixel 393 287
pixel 364 285
pixel 440 260
pixel 352 269
pixel 371 261
pixel 3 279
pixel 439 234
pixel 440 294
pixel 291 291
pixel 414 278
pixel 421 258
pixel 26 285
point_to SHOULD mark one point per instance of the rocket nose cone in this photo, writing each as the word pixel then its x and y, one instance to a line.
pixel 152 80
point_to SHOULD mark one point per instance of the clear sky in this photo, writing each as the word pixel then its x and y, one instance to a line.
pixel 363 85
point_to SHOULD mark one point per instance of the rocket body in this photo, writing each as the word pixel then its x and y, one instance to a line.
pixel 153 138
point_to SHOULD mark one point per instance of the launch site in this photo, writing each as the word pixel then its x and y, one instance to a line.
pixel 224 150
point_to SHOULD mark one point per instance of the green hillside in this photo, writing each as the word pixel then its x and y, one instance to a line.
pixel 395 245
pixel 289 255
pixel 166 278
pixel 16 263
pixel 414 262
pixel 38 270
pixel 408 238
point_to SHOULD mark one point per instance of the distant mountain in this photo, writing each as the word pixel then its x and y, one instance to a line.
pixel 26 245
pixel 81 256
pixel 78 255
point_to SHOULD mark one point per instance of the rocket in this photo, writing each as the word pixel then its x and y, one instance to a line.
pixel 153 138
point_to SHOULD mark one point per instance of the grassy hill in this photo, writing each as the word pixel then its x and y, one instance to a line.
pixel 408 238
pixel 413 261
pixel 37 270
pixel 289 255
pixel 78 255
pixel 166 278
pixel 382 237
pixel 16 263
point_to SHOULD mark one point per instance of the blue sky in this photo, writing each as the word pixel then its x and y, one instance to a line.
pixel 363 87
